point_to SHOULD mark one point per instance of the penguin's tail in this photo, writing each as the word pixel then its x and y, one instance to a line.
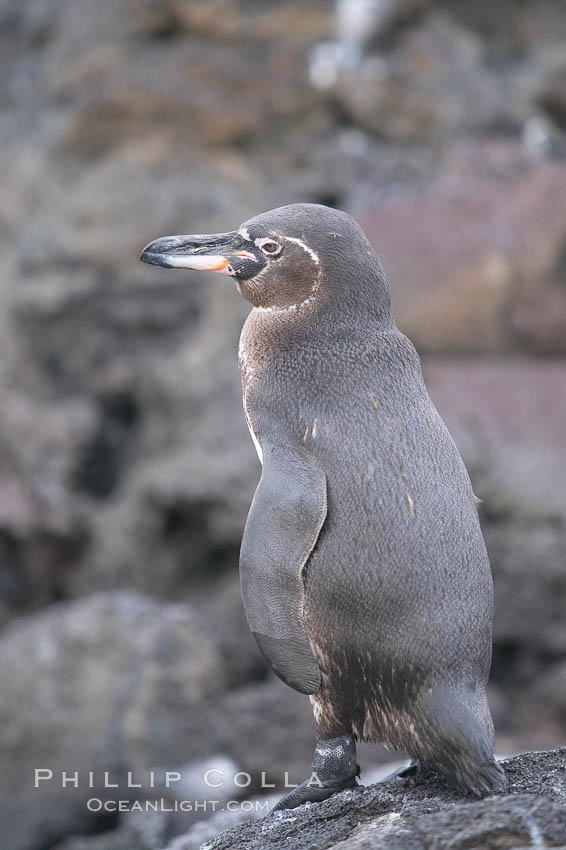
pixel 474 768
pixel 459 742
pixel 482 778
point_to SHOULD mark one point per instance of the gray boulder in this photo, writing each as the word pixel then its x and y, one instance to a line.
pixel 111 683
pixel 496 284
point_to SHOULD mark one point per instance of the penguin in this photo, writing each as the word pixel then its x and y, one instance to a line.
pixel 364 573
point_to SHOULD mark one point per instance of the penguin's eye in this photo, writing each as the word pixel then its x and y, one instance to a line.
pixel 269 247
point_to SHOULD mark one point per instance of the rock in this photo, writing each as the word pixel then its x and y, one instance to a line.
pixel 205 831
pixel 422 814
pixel 110 683
pixel 511 30
pixel 528 564
pixel 267 728
pixel 113 839
pixel 132 834
pixel 494 285
pixel 550 689
pixel 508 417
pixel 220 603
pixel 42 531
pixel 435 80
pixel 301 22
pixel 551 97
pixel 363 22
pixel 120 81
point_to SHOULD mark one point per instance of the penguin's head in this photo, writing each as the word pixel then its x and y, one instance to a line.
pixel 285 260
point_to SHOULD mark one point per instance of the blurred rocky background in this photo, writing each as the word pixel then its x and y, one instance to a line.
pixel 126 470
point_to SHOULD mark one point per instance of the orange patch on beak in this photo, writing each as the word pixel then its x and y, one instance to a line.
pixel 223 264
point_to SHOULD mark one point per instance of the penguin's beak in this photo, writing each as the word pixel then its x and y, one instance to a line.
pixel 219 252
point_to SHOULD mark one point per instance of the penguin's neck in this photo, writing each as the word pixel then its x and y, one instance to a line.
pixel 268 335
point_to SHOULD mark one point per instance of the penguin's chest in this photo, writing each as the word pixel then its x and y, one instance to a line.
pixel 249 372
pixel 269 392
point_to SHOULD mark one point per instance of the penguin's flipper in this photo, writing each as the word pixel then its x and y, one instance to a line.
pixel 287 513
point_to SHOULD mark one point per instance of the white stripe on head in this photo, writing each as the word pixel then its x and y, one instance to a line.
pixel 314 256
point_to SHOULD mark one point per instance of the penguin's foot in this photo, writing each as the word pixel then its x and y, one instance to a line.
pixel 333 769
pixel 315 793
pixel 412 769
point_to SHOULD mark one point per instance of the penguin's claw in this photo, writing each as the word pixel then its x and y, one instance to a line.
pixel 309 793
pixel 412 769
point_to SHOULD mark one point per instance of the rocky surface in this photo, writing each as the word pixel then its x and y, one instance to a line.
pixel 426 815
pixel 420 814
pixel 126 469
